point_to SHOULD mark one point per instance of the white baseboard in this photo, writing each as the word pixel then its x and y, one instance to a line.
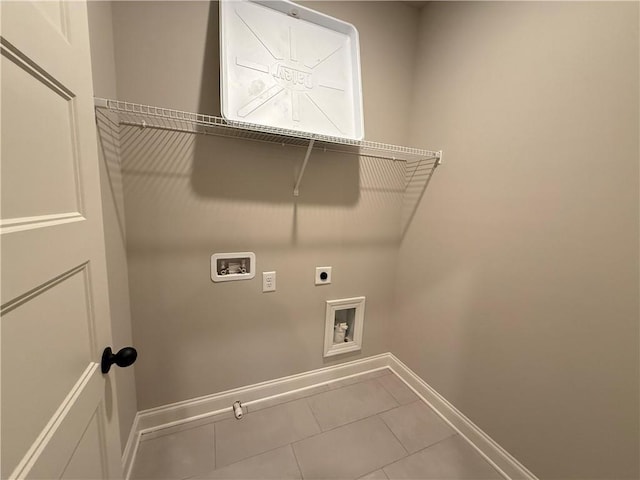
pixel 210 405
pixel 131 447
pixel 148 421
pixel 502 460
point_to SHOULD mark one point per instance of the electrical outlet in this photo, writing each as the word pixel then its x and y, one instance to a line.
pixel 323 275
pixel 268 281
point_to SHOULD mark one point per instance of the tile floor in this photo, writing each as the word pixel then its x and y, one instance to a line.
pixel 367 427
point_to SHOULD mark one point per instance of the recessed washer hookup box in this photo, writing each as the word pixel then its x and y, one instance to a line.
pixel 287 66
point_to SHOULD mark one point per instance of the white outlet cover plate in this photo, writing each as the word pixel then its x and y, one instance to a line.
pixel 287 66
pixel 268 281
pixel 319 271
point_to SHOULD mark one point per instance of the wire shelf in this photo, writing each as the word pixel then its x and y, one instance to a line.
pixel 134 114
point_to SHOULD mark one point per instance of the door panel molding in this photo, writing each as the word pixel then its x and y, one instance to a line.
pixel 40 289
pixel 23 61
pixel 62 23
pixel 66 424
pixel 39 221
pixel 51 113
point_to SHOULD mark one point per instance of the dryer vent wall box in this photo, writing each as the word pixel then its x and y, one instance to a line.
pixel 287 66
pixel 226 267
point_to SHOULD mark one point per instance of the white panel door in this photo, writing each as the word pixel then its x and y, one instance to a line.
pixel 59 418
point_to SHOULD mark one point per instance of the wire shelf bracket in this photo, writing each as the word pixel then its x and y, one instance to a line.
pixel 296 189
pixel 147 116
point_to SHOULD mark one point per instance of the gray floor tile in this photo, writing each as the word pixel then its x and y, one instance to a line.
pixel 343 382
pixel 270 402
pixel 278 464
pixel 262 431
pixel 398 389
pixel 377 475
pixel 176 455
pixel 371 429
pixel 338 407
pixel 349 451
pixel 416 426
pixel 452 458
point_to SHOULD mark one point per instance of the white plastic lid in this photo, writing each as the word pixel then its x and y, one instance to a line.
pixel 289 67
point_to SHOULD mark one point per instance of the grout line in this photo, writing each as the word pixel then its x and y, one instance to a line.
pixel 293 450
pixel 261 453
pixel 344 424
pixel 215 453
pixel 393 397
pixel 306 401
pixel 394 435
pixel 415 453
pixel 337 426
pixel 419 401
pixel 439 441
pixel 350 423
pixel 277 446
pixel 284 402
pixel 379 468
pixel 389 392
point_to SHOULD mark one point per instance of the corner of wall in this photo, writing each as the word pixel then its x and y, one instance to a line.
pixel 104 80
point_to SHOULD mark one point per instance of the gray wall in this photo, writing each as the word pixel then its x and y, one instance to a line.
pixel 104 85
pixel 521 306
pixel 190 196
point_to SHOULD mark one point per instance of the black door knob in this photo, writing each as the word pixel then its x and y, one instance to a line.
pixel 125 357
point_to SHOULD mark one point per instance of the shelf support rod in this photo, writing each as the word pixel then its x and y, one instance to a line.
pixel 296 189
